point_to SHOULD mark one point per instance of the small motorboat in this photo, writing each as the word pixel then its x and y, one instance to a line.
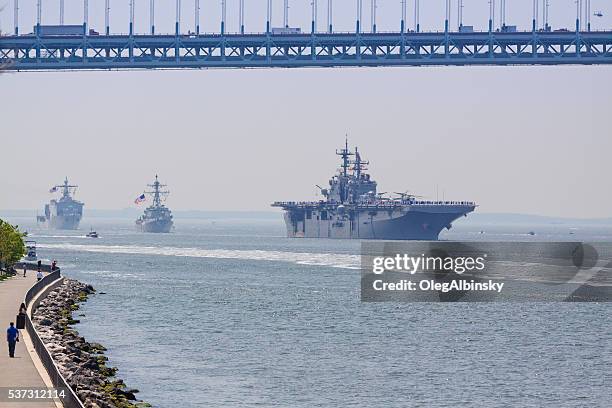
pixel 531 233
pixel 92 234
pixel 30 251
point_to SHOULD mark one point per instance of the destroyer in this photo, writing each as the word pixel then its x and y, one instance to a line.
pixel 65 213
pixel 157 217
pixel 351 208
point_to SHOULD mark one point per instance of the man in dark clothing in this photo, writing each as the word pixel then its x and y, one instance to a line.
pixel 12 336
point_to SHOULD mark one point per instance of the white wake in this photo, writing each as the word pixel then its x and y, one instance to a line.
pixel 346 261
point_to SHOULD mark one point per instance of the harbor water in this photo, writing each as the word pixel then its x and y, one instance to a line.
pixel 231 313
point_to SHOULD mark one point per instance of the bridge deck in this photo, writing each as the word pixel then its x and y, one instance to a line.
pixel 30 52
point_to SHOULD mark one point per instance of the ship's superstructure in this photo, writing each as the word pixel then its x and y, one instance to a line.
pixel 157 217
pixel 352 208
pixel 66 212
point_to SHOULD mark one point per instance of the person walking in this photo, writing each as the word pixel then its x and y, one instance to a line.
pixel 39 276
pixel 25 268
pixel 12 337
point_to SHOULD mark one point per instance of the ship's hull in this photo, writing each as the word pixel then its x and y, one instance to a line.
pixel 64 214
pixel 154 226
pixel 422 223
pixel 60 222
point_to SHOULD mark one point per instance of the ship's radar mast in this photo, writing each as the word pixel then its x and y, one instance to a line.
pixel 157 193
pixel 359 165
pixel 352 182
pixel 66 188
pixel 345 154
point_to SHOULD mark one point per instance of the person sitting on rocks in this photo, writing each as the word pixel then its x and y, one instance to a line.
pixel 12 337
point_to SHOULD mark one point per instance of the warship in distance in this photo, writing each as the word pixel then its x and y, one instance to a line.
pixel 157 217
pixel 65 213
pixel 352 209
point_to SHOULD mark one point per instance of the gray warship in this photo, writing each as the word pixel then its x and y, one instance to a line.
pixel 65 213
pixel 352 209
pixel 157 217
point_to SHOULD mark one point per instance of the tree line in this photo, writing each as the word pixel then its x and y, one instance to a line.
pixel 12 247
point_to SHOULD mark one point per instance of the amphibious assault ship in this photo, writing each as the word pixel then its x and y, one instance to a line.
pixel 65 213
pixel 352 208
pixel 157 217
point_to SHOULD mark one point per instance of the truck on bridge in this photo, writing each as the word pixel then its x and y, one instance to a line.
pixel 286 30
pixel 62 30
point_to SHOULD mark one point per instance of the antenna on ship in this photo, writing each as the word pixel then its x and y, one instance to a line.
pixel 345 154
pixel 65 188
pixel 359 165
pixel 157 193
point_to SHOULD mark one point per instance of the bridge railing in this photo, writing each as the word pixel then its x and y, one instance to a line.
pixel 54 279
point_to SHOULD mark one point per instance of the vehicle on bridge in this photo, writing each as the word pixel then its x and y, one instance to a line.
pixel 286 30
pixel 62 30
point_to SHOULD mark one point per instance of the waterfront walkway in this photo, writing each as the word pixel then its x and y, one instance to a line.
pixel 18 372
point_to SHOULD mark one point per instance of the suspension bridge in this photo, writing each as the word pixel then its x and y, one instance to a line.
pixel 79 46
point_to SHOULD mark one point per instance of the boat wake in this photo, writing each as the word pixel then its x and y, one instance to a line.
pixel 57 236
pixel 345 261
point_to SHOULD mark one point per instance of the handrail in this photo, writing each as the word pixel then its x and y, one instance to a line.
pixel 70 399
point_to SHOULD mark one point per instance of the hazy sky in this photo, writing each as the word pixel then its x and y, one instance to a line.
pixel 515 139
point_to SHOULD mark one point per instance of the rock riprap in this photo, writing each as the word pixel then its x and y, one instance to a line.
pixel 82 364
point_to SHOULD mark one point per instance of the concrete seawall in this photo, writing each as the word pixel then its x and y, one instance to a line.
pixel 33 298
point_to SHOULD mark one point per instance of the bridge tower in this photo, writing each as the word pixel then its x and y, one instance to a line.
pixel 268 16
pixel 241 16
pixel 359 13
pixel 223 16
pixel 16 16
pixel 403 21
pixel 152 16
pixel 330 26
pixel 373 7
pixel 417 12
pixel 286 14
pixel 86 16
pixel 107 17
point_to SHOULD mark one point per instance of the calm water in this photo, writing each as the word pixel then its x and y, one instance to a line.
pixel 229 313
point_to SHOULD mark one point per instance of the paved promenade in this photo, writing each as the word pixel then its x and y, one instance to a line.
pixel 18 372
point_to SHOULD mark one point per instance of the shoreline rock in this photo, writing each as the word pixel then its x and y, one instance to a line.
pixel 83 364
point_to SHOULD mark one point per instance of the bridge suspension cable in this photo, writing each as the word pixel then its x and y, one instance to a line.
pixel 330 24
